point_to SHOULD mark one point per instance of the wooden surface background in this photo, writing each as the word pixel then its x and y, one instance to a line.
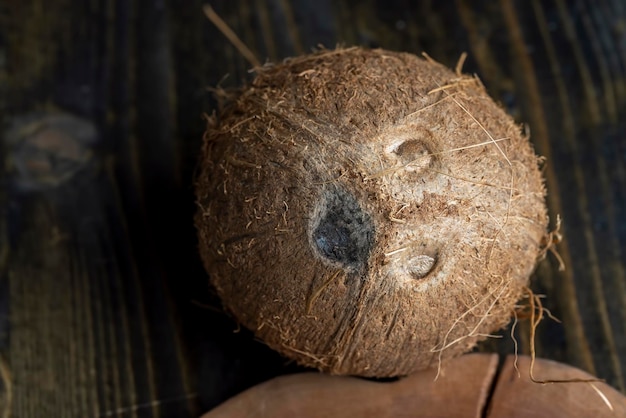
pixel 104 307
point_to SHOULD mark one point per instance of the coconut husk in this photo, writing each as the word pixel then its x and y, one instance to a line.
pixel 368 212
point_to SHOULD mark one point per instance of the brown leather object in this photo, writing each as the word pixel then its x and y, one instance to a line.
pixel 469 387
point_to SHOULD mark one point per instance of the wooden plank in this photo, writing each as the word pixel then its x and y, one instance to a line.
pixel 80 340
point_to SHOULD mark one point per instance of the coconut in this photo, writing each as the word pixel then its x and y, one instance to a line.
pixel 368 212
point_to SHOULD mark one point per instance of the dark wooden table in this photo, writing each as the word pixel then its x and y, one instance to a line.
pixel 104 307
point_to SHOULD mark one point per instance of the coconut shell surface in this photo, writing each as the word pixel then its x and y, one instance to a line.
pixel 472 387
pixel 368 212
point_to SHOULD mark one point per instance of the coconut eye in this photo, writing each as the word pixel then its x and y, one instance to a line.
pixel 343 233
pixel 413 154
pixel 411 262
pixel 411 148
pixel 420 266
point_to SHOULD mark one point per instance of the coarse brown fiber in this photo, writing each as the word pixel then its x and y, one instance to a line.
pixel 368 212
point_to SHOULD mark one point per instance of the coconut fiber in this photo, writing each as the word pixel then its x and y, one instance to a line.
pixel 368 212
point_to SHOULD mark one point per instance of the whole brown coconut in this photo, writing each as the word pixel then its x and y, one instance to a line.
pixel 368 212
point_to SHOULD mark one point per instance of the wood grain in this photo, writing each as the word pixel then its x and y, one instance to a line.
pixel 104 307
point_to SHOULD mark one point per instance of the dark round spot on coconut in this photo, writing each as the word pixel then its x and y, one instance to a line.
pixel 343 233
